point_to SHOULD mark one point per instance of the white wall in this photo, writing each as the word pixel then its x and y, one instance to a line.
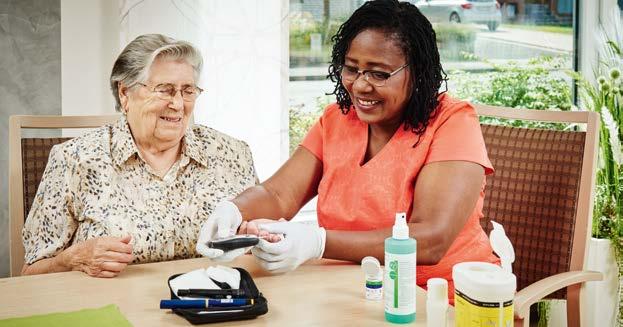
pixel 245 74
pixel 89 46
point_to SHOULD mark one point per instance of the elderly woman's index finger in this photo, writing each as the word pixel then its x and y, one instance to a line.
pixel 119 246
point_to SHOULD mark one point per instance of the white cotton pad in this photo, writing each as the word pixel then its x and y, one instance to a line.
pixel 225 274
pixel 194 279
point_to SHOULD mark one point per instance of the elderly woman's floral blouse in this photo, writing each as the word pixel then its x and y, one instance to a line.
pixel 97 185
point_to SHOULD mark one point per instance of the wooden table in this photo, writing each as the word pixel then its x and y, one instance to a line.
pixel 322 292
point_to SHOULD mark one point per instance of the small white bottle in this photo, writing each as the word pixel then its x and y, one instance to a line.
pixel 437 302
pixel 374 278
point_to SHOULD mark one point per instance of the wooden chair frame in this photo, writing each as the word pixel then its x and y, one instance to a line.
pixel 16 187
pixel 573 279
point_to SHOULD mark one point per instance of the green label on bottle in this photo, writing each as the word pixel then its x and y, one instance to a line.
pixel 393 274
pixel 399 284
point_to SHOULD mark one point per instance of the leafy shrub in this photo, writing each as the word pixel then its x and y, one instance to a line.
pixel 536 85
pixel 605 96
pixel 302 26
pixel 301 120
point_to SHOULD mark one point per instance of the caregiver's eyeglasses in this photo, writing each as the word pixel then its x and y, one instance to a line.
pixel 374 77
pixel 168 91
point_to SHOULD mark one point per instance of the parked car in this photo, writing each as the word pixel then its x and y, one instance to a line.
pixel 462 11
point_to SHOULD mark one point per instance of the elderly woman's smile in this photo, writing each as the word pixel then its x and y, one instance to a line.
pixel 171 119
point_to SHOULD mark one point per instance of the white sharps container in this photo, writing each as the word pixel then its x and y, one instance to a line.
pixel 484 292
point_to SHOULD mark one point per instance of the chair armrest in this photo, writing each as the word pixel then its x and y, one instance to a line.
pixel 537 290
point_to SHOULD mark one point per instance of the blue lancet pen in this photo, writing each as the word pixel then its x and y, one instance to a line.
pixel 203 303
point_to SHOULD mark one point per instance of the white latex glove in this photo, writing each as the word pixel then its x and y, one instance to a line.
pixel 300 243
pixel 223 222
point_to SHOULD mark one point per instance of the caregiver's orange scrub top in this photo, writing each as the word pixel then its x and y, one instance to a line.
pixel 358 197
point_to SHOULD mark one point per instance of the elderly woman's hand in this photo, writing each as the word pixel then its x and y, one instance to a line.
pixel 252 227
pixel 103 256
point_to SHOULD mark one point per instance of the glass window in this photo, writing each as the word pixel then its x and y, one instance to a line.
pixel 509 52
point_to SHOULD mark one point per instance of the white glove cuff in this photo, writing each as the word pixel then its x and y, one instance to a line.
pixel 322 236
pixel 231 207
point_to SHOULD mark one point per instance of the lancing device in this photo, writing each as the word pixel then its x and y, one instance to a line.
pixel 235 242
pixel 205 303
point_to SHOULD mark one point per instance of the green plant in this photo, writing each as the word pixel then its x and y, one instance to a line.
pixel 302 120
pixel 302 27
pixel 544 309
pixel 534 85
pixel 537 84
pixel 605 96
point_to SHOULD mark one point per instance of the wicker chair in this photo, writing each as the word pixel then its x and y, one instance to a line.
pixel 542 192
pixel 27 160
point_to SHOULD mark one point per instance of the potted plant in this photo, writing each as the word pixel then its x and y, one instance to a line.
pixel 605 96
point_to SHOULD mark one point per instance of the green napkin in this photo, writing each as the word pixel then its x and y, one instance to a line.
pixel 102 317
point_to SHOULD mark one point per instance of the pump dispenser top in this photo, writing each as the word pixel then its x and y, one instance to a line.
pixel 400 231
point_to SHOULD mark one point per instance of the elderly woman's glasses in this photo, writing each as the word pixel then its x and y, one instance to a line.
pixel 374 77
pixel 168 91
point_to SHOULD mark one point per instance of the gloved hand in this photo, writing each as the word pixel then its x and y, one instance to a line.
pixel 301 242
pixel 223 222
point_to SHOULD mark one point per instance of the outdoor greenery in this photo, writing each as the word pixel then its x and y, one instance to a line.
pixel 537 84
pixel 605 96
pixel 302 27
pixel 301 121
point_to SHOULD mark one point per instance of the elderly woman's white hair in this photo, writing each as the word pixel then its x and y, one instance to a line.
pixel 132 65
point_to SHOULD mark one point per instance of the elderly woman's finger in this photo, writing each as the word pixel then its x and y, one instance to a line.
pixel 113 266
pixel 107 274
pixel 253 226
pixel 273 237
pixel 125 239
pixel 118 257
pixel 243 228
pixel 118 246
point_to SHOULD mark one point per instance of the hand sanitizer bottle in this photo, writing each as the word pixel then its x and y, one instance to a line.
pixel 399 281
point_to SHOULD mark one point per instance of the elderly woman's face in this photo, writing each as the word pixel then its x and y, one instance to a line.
pixel 153 120
pixel 382 105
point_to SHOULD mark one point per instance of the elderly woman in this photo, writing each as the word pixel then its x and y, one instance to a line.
pixel 137 190
pixel 392 143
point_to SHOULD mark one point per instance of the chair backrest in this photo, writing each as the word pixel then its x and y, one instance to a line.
pixel 542 190
pixel 27 160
